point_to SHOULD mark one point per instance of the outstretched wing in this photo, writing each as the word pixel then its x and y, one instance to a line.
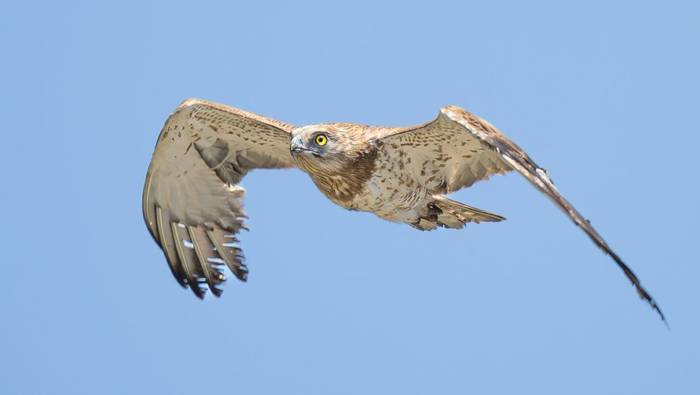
pixel 192 203
pixel 459 148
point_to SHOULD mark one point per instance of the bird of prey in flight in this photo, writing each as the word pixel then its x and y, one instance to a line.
pixel 193 203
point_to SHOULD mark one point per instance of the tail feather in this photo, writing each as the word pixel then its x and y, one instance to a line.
pixel 453 214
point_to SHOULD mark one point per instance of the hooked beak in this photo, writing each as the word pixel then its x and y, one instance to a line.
pixel 297 147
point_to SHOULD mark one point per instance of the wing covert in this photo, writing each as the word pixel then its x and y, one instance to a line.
pixel 192 203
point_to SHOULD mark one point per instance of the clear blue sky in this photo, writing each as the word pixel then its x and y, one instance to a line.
pixel 603 94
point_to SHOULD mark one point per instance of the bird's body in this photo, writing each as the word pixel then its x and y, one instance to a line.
pixel 367 176
pixel 192 202
pixel 358 186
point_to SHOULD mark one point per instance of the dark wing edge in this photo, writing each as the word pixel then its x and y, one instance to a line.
pixel 537 176
pixel 192 203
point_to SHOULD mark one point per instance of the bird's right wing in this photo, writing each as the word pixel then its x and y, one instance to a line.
pixel 192 203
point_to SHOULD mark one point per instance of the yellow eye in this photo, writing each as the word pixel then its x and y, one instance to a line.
pixel 321 139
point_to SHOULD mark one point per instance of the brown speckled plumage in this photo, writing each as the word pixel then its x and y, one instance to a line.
pixel 193 205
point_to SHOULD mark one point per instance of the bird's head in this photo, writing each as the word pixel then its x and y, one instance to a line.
pixel 329 148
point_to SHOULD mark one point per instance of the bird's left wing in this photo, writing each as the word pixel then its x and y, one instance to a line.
pixel 192 203
pixel 459 148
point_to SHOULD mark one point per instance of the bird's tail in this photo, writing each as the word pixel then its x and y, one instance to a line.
pixel 453 214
